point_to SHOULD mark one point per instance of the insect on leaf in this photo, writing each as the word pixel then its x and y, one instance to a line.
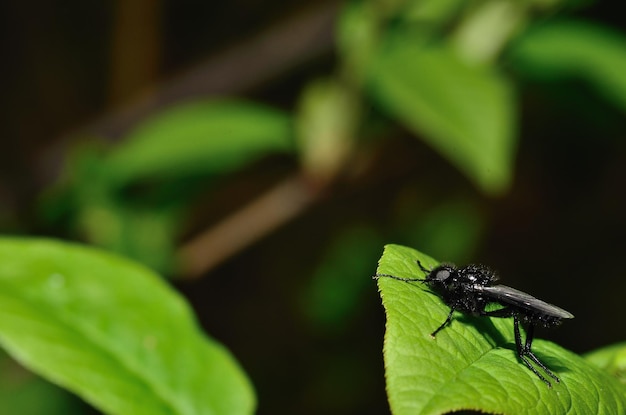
pixel 472 364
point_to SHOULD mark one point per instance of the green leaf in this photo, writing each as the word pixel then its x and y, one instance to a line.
pixel 356 36
pixel 112 332
pixel 326 123
pixel 145 234
pixel 433 11
pixel 583 50
pixel 200 137
pixel 451 229
pixel 472 364
pixel 612 359
pixel 466 112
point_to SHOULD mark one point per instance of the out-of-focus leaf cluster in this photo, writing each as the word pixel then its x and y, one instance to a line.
pixel 131 198
pixel 445 70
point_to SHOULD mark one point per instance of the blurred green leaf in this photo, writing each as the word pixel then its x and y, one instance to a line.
pixel 362 23
pixel 200 137
pixel 145 234
pixel 465 112
pixel 112 332
pixel 327 119
pixel 337 285
pixel 612 359
pixel 472 364
pixel 483 32
pixel 450 230
pixel 433 11
pixel 582 50
pixel 357 36
pixel 131 199
pixel 140 223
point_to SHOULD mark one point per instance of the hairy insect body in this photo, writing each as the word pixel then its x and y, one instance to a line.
pixel 470 290
pixel 453 287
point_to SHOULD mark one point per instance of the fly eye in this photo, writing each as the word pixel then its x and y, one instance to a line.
pixel 442 275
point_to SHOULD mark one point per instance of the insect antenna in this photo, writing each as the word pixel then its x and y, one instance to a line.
pixel 377 276
pixel 425 270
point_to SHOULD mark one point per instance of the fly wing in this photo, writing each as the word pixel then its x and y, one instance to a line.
pixel 507 295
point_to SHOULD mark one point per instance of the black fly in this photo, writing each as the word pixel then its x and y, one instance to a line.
pixel 470 289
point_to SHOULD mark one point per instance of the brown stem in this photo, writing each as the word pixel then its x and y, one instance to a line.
pixel 272 209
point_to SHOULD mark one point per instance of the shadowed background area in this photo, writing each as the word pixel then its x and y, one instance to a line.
pixel 260 154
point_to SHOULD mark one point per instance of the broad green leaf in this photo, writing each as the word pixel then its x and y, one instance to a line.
pixel 112 332
pixel 612 359
pixel 466 112
pixel 583 50
pixel 200 137
pixel 472 364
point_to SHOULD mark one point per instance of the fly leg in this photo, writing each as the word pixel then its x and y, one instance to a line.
pixel 445 323
pixel 524 352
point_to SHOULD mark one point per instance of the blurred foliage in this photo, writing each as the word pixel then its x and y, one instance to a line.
pixel 426 64
pixel 206 137
pixel 574 50
pixel 611 359
pixel 465 112
pixel 448 72
pixel 337 286
pixel 327 123
pixel 131 198
pixel 452 230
